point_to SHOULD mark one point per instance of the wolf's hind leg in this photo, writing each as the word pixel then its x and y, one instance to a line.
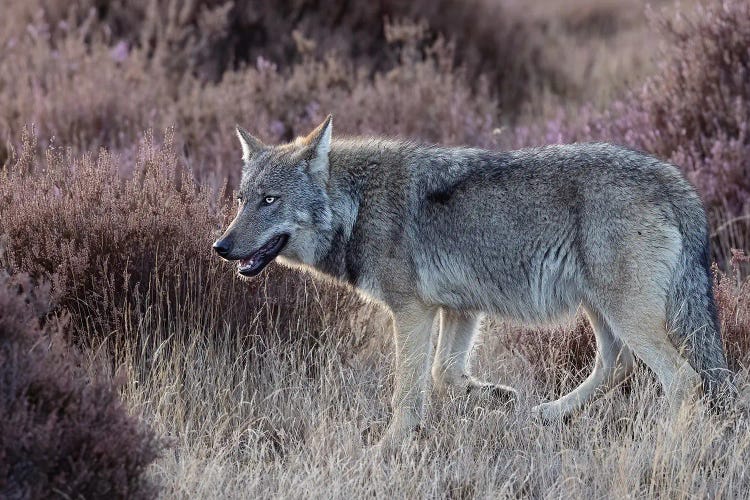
pixel 645 332
pixel 614 363
pixel 450 368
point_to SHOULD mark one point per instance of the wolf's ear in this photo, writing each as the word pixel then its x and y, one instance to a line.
pixel 250 145
pixel 319 143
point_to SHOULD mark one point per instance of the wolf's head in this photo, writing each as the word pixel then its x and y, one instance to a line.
pixel 283 205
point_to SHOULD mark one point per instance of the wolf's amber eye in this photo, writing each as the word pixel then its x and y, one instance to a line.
pixel 269 200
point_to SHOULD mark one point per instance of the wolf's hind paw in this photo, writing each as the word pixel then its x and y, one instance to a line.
pixel 503 394
pixel 547 413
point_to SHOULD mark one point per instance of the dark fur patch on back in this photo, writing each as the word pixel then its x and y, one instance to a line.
pixel 441 197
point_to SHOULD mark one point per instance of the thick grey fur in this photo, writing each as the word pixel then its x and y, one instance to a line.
pixel 530 235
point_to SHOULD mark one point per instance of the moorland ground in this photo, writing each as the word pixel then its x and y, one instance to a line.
pixel 136 363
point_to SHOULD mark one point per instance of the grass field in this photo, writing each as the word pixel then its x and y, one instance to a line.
pixel 262 425
pixel 136 364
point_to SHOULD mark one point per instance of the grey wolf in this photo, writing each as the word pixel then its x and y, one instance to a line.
pixel 529 235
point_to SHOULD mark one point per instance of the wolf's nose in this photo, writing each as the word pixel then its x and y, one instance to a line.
pixel 222 247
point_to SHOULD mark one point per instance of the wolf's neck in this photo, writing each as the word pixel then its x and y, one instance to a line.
pixel 337 259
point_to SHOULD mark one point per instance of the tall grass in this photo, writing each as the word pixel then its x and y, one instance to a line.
pixel 275 387
pixel 287 420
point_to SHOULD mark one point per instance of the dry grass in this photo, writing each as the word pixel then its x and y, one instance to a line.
pixel 292 421
pixel 276 388
pixel 291 413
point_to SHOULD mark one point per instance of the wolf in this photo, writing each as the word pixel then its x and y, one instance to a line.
pixel 529 235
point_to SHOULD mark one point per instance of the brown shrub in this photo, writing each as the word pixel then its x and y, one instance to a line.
pixel 89 231
pixel 117 247
pixel 87 93
pixel 84 95
pixel 697 110
pixel 210 37
pixel 562 357
pixel 733 300
pixel 62 432
pixel 692 112
pixel 425 99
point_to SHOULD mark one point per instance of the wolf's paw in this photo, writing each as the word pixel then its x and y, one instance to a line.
pixel 481 393
pixel 547 413
pixel 396 439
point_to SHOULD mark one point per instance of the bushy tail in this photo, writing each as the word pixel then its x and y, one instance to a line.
pixel 691 308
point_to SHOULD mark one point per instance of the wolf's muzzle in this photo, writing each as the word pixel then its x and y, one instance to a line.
pixel 222 246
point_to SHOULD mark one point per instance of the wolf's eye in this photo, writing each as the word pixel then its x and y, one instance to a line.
pixel 268 200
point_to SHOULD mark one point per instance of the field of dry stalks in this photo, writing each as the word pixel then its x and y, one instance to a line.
pixel 288 421
pixel 134 363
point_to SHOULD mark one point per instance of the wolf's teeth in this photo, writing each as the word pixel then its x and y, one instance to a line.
pixel 247 263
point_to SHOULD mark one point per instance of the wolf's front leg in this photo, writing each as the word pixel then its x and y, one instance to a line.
pixel 412 332
pixel 450 369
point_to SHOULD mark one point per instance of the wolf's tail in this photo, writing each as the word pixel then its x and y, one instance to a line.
pixel 691 308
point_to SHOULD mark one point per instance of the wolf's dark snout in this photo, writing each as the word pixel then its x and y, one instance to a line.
pixel 222 246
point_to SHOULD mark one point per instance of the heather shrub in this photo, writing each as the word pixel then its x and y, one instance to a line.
pixel 118 243
pixel 699 102
pixel 494 41
pixel 63 432
pixel 422 98
pixel 85 95
pixel 207 38
pixel 698 109
pixel 81 226
pixel 692 112
pixel 71 84
pixel 93 74
pixel 733 300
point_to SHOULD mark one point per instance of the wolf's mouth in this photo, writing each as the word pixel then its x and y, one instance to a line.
pixel 256 261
